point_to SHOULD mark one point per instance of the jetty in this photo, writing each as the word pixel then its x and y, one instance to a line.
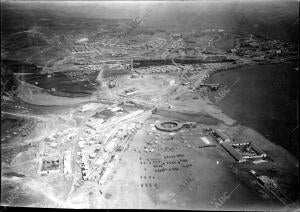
pixel 211 86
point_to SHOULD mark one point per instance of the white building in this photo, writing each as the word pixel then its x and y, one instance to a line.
pixel 110 146
pixel 67 162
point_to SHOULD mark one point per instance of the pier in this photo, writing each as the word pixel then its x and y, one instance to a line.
pixel 211 86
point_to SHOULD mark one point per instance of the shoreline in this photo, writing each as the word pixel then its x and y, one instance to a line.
pixel 234 68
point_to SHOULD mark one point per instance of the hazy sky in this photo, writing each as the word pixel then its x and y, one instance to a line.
pixel 175 14
pixel 130 9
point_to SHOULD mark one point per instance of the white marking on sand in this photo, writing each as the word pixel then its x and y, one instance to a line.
pixel 205 140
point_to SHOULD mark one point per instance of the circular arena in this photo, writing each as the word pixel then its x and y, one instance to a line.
pixel 169 126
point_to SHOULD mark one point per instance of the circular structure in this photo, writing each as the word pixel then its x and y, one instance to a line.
pixel 169 126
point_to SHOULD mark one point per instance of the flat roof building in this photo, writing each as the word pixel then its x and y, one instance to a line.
pixel 221 135
pixel 67 162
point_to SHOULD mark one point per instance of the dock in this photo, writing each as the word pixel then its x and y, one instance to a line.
pixel 211 86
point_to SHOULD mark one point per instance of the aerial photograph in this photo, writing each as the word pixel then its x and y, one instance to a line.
pixel 189 104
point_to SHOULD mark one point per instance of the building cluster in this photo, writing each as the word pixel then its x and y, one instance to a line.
pixel 49 166
pixel 246 151
pixel 271 186
pixel 84 72
pixel 174 48
pixel 60 138
pixel 258 48
pixel 213 30
pixel 91 68
pixel 52 163
pixel 100 142
pixel 81 48
pixel 52 149
pixel 191 51
pixel 98 155
pixel 240 151
pixel 51 155
pixel 117 46
pixel 155 43
pixel 175 44
pixel 164 69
